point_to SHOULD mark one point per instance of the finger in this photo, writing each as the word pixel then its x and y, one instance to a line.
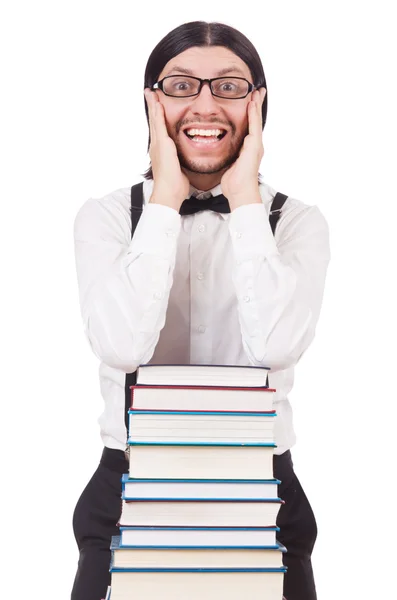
pixel 152 110
pixel 254 118
pixel 161 127
pixel 158 116
pixel 259 99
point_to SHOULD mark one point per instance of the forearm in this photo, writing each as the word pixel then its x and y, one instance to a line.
pixel 279 291
pixel 124 289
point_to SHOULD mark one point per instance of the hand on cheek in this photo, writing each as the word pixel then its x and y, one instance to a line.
pixel 240 182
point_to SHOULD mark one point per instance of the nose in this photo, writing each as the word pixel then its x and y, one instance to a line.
pixel 205 102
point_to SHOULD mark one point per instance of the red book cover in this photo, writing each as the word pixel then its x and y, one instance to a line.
pixel 201 387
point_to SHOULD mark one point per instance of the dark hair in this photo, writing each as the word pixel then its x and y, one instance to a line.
pixel 201 33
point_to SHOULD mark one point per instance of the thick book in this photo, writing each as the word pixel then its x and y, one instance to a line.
pixel 198 584
pixel 202 398
pixel 151 489
pixel 172 426
pixel 208 375
pixel 202 513
pixel 221 557
pixel 149 460
pixel 195 537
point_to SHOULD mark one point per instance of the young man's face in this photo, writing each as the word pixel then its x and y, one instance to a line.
pixel 206 111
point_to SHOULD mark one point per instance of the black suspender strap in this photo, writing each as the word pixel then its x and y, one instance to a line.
pixel 136 211
pixel 275 209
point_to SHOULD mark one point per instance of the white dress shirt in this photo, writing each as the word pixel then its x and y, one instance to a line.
pixel 207 288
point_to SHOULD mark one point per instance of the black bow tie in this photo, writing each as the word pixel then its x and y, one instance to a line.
pixel 216 203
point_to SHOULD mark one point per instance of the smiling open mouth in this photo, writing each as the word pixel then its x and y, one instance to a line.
pixel 209 137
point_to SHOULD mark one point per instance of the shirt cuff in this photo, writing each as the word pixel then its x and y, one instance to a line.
pixel 157 232
pixel 251 232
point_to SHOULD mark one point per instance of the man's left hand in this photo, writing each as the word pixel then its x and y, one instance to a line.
pixel 240 182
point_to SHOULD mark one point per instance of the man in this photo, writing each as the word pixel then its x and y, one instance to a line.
pixel 198 285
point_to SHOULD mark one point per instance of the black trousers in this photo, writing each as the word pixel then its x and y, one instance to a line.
pixel 99 507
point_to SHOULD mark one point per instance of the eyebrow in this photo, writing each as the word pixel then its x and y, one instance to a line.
pixel 225 71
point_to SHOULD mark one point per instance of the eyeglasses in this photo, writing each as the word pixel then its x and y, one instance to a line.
pixel 181 86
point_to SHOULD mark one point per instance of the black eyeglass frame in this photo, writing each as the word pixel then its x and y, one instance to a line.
pixel 160 85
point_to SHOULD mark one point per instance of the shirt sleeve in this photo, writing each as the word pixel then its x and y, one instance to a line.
pixel 279 286
pixel 124 284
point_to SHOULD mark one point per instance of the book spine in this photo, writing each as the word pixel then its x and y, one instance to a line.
pixel 132 388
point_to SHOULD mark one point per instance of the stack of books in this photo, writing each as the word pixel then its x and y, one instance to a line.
pixel 199 503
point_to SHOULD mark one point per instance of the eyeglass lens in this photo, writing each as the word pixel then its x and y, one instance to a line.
pixel 181 86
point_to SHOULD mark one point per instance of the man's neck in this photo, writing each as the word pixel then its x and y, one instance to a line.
pixel 204 182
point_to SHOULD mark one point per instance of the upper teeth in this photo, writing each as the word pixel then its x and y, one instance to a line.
pixel 205 132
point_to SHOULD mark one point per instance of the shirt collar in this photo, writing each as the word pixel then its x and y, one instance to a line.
pixel 215 191
pixel 267 194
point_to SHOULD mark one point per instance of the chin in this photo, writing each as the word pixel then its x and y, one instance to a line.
pixel 206 165
pixel 204 168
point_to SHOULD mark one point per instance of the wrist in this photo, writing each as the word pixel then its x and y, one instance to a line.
pixel 165 201
pixel 243 199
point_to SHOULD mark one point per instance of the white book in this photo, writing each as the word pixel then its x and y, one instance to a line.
pixel 200 427
pixel 173 461
pixel 198 585
pixel 204 513
pixel 198 536
pixel 210 375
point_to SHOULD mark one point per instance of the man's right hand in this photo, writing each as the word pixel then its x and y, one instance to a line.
pixel 171 186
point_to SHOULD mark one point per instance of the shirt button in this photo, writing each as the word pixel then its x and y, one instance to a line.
pixel 200 276
pixel 201 228
pixel 158 295
pixel 201 329
pixel 247 298
pixel 238 234
pixel 170 233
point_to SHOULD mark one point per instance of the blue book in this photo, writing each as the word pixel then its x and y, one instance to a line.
pixel 214 557
pixel 195 537
pixel 199 489
pixel 235 512
pixel 117 545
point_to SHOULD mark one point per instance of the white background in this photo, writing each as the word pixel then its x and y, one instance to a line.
pixel 73 127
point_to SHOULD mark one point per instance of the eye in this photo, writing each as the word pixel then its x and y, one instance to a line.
pixel 228 87
pixel 181 85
